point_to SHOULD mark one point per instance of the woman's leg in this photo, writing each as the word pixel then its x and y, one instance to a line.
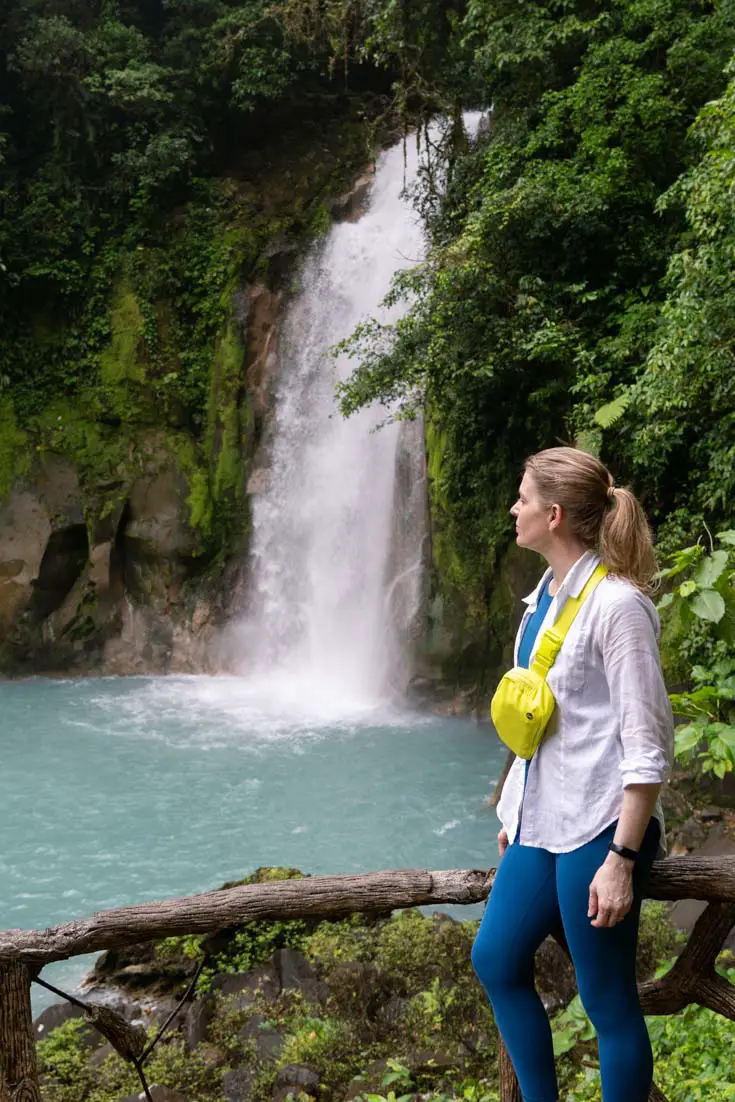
pixel 521 911
pixel 604 960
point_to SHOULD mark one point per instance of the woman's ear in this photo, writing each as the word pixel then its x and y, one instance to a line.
pixel 555 516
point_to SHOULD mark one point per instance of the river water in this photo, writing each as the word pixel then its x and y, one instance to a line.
pixel 121 790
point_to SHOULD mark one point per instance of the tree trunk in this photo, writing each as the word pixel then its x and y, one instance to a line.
pixel 656 1095
pixel 18 1072
pixel 509 1089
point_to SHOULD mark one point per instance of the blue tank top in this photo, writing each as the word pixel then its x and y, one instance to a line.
pixel 533 624
pixel 530 631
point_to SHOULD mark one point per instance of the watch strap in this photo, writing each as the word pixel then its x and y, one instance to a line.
pixel 623 851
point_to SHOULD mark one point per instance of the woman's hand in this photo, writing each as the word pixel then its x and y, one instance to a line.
pixel 502 841
pixel 611 891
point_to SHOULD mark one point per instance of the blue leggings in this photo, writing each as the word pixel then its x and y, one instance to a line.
pixel 535 893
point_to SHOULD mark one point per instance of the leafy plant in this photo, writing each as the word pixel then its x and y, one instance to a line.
pixel 704 590
pixel 709 737
pixel 570 1027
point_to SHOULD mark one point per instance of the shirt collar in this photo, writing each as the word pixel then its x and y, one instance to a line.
pixel 573 584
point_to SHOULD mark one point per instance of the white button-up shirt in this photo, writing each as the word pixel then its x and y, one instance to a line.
pixel 612 725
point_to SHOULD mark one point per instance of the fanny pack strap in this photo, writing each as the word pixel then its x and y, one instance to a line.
pixel 553 637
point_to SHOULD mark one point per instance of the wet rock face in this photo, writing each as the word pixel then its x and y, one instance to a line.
pixel 97 587
pixel 43 548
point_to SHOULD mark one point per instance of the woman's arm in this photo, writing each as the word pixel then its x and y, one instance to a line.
pixel 639 698
pixel 611 891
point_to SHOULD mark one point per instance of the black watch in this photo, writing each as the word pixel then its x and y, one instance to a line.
pixel 623 851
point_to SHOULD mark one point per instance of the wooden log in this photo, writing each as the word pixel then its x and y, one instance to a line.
pixel 311 897
pixel 18 1071
pixel 712 879
pixel 692 977
pixel 509 1089
pixel 129 1040
pixel 656 1095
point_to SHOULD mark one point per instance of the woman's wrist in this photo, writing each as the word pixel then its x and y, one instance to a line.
pixel 615 860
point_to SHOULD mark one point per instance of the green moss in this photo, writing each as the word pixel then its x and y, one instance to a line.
pixel 67 1076
pixel 122 370
pixel 14 454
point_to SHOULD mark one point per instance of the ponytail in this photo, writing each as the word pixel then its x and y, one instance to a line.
pixel 604 517
pixel 626 543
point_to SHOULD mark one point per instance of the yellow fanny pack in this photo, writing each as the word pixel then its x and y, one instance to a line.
pixel 523 703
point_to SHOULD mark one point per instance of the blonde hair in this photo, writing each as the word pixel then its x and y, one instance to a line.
pixel 601 515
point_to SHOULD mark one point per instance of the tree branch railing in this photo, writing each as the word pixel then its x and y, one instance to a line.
pixel 23 953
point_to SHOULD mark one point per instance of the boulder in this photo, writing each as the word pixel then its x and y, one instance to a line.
pixel 196 1023
pixel 690 835
pixel 295 1080
pixel 237 1085
pixel 101 1054
pixel 211 1055
pixel 154 1012
pixel 266 1040
pixel 243 990
pixel 393 1011
pixel 296 974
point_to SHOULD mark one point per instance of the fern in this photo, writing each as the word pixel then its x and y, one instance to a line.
pixel 608 414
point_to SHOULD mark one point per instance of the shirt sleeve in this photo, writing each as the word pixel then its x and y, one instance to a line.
pixel 637 691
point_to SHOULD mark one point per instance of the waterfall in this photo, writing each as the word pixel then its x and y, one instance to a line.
pixel 339 537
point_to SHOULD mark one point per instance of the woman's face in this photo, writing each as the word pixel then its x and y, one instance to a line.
pixel 534 520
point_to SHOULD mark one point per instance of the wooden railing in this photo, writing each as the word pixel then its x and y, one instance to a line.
pixel 23 953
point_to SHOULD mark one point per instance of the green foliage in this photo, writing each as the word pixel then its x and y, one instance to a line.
pixel 544 311
pixel 326 1044
pixel 13 456
pixel 571 1026
pixel 399 1078
pixel 63 1056
pixel 67 1076
pixel 703 597
pixel 685 398
pixel 693 1054
pixel 709 737
pixel 658 938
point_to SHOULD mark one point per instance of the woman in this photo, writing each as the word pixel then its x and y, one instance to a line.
pixel 582 821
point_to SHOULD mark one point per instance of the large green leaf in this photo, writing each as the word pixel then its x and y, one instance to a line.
pixel 708 605
pixel 727 537
pixel 687 739
pixel 710 569
pixel 727 735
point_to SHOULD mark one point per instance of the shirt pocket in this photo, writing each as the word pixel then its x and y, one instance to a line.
pixel 573 661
